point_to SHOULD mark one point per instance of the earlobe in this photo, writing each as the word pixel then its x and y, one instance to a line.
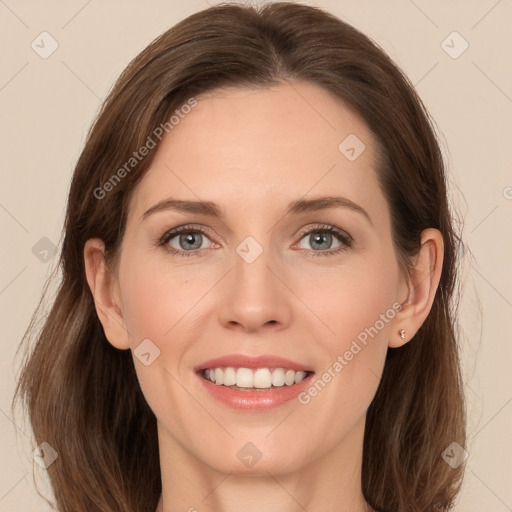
pixel 102 283
pixel 423 281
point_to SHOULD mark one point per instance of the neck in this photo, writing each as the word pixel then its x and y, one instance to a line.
pixel 331 483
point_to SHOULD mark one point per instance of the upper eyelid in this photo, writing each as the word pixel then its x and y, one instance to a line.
pixel 325 227
pixel 186 228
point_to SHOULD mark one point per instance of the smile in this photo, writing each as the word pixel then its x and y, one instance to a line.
pixel 256 383
pixel 247 378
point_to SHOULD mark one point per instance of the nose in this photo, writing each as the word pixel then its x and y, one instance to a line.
pixel 255 296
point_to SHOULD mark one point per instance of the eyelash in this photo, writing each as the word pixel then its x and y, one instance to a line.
pixel 345 239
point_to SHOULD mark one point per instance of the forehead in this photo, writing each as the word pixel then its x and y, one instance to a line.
pixel 263 146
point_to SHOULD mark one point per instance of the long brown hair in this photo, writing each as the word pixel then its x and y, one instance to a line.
pixel 82 395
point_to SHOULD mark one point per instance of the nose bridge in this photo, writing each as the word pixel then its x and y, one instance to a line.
pixel 256 297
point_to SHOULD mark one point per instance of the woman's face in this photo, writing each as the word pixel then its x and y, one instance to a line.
pixel 259 177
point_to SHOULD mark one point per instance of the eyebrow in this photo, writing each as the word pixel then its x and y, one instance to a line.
pixel 213 209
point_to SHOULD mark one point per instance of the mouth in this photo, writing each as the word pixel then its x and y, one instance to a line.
pixel 253 383
pixel 248 379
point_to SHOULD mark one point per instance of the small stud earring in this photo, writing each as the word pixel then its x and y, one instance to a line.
pixel 402 334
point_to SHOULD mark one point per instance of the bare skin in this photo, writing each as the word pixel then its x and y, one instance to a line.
pixel 253 152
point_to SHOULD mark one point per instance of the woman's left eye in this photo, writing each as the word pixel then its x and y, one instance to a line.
pixel 320 240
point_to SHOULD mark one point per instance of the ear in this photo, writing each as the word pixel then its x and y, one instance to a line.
pixel 105 291
pixel 421 286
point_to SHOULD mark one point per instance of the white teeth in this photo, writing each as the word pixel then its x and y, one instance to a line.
pixel 219 376
pixel 243 378
pixel 229 377
pixel 299 376
pixel 262 378
pixel 289 378
pixel 278 377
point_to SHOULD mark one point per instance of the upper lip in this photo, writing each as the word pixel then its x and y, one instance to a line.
pixel 254 362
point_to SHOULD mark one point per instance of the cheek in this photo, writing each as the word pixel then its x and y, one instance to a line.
pixel 161 302
pixel 159 295
pixel 353 299
pixel 357 304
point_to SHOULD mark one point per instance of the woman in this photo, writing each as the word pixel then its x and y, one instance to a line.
pixel 203 356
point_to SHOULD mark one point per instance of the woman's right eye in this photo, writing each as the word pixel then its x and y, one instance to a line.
pixel 185 241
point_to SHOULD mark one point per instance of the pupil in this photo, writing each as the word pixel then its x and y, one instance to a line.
pixel 320 237
pixel 191 239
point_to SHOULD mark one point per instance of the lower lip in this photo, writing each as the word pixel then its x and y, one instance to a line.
pixel 255 400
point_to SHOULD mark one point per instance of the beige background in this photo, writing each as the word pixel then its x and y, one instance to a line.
pixel 48 104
